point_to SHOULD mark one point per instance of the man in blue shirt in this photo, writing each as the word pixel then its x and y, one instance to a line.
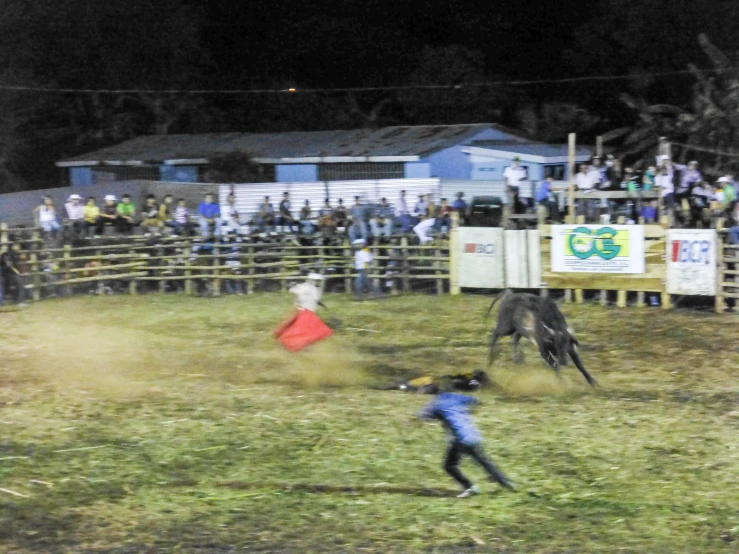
pixel 358 228
pixel 452 410
pixel 209 214
pixel 545 197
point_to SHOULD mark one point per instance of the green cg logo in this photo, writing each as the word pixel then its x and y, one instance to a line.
pixel 584 243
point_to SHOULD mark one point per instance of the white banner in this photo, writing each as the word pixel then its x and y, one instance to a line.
pixel 481 258
pixel 522 259
pixel 598 249
pixel 691 261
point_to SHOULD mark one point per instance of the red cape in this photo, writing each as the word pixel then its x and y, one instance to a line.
pixel 302 330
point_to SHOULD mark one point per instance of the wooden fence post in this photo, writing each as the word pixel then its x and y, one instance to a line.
pixel 133 283
pixel 216 266
pixel 101 282
pixel 405 264
pixel 454 287
pixel 188 264
pixel 3 237
pixel 437 266
pixel 162 268
pixel 250 261
pixel 67 266
pixel 720 275
pixel 36 292
pixel 349 267
pixel 571 178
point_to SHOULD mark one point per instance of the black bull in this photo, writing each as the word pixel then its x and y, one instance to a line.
pixel 540 321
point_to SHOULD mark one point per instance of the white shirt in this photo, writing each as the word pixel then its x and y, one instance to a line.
pixel 307 296
pixel 664 182
pixel 46 214
pixel 74 211
pixel 363 259
pixel 401 207
pixel 595 176
pixel 229 213
pixel 514 175
pixel 583 181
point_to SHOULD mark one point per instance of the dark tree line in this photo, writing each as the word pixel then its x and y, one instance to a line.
pixel 190 45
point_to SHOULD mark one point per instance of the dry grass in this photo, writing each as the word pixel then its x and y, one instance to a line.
pixel 165 424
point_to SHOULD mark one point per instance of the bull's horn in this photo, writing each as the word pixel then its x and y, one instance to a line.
pixel 548 328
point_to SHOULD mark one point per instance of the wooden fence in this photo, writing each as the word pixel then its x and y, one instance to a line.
pixel 139 264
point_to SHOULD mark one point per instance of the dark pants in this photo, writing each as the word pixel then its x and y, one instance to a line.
pixel 12 280
pixel 475 451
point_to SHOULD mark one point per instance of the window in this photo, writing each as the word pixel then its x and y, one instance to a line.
pixel 361 171
pixel 556 172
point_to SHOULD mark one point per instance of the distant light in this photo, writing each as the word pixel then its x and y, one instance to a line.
pixel 291 90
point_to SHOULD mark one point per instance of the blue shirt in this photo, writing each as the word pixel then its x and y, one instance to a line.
pixel 452 410
pixel 209 211
pixel 543 192
pixel 459 204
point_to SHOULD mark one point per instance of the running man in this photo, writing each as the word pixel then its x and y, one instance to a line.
pixel 452 410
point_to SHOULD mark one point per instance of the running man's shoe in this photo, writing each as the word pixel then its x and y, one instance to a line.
pixel 472 491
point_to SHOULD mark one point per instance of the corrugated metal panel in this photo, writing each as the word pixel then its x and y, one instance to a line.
pixel 516 260
pixel 347 190
pixel 390 189
pixel 534 252
pixel 450 188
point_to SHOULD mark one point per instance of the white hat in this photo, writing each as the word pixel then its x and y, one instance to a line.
pixel 315 276
pixel 110 197
pixel 665 157
pixel 74 197
pixel 359 241
pixel 692 162
pixel 723 180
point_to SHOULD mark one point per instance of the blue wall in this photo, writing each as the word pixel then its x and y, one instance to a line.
pixel 80 176
pixel 178 173
pixel 450 163
pixel 296 173
pixel 416 170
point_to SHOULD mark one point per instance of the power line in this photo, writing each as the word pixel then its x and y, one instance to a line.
pixel 709 150
pixel 387 88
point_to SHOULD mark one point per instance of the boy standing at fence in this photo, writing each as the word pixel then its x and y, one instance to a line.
pixel 452 411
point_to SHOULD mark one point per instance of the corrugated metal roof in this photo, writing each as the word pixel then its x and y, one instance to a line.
pixel 529 148
pixel 388 141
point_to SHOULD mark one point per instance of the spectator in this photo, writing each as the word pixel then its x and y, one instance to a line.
pixel 363 260
pixel 46 216
pixel 10 263
pixel 423 227
pixel 514 177
pixel 700 202
pixel 126 211
pixel 233 263
pixel 649 212
pixel 150 213
pixel 286 217
pixel 209 217
pixel 266 216
pixel 182 223
pixel 231 215
pixel 109 213
pixel 734 224
pixel 689 177
pixel 545 198
pixel 430 206
pixel 306 213
pixel 75 213
pixel 166 213
pixel 648 179
pixel 382 222
pixel 584 183
pixel 460 206
pixel 666 186
pixel 92 218
pixel 728 193
pixel 401 212
pixel 420 210
pixel 443 217
pixel 326 221
pixel 340 214
pixel 358 228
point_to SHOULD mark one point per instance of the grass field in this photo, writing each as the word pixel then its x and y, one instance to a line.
pixel 173 424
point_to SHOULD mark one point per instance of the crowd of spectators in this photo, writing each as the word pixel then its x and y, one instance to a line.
pixel 691 199
pixel 85 218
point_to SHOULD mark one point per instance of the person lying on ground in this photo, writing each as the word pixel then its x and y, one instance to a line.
pixel 452 411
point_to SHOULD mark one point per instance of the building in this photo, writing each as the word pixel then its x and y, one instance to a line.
pixel 478 152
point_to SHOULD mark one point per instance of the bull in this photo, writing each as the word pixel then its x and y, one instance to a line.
pixel 540 321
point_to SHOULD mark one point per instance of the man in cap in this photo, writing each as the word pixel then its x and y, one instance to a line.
pixel 109 212
pixel 514 176
pixel 363 259
pixel 308 294
pixel 75 213
pixel 358 228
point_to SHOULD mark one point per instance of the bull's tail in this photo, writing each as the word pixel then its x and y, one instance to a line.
pixel 501 295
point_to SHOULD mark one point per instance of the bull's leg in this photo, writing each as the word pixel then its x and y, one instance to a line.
pixel 517 353
pixel 494 336
pixel 578 363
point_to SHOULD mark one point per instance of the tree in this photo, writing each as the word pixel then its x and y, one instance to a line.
pixel 234 167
